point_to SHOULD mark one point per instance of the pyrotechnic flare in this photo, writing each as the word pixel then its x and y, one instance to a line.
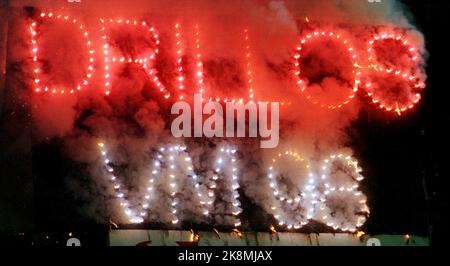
pixel 118 187
pixel 172 165
pixel 347 55
pixel 145 60
pixel 199 74
pixel 40 82
pixel 179 61
pixel 320 198
pixel 226 169
pixel 340 205
pixel 291 208
pixel 306 85
pixel 181 175
pixel 338 184
pixel 249 67
pixel 393 80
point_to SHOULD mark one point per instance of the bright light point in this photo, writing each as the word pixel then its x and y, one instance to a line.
pixel 136 220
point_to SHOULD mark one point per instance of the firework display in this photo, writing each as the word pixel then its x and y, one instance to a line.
pixel 356 73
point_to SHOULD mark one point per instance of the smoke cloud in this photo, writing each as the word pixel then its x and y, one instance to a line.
pixel 134 120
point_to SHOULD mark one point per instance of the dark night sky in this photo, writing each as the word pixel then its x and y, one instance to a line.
pixel 399 156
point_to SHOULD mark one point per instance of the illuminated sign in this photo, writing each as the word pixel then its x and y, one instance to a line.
pixel 368 72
